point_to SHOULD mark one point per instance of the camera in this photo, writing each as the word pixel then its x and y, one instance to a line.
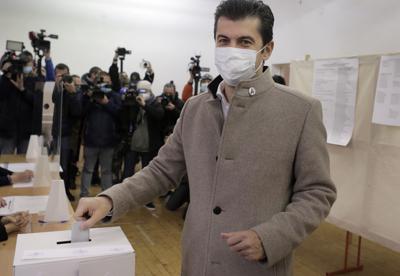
pixel 122 51
pixel 67 79
pixel 128 95
pixel 195 68
pixel 96 91
pixel 145 64
pixel 16 64
pixel 39 43
pixel 165 100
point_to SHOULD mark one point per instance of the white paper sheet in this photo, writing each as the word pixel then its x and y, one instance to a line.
pixel 78 251
pixel 387 96
pixel 33 204
pixel 335 85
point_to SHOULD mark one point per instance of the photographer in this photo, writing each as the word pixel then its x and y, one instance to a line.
pixel 101 106
pixel 188 89
pixel 16 104
pixel 147 137
pixel 172 106
pixel 67 104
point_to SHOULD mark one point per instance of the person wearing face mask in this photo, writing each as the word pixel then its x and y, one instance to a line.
pixel 67 101
pixel 255 154
pixel 100 112
pixel 147 137
pixel 16 107
pixel 188 88
pixel 172 105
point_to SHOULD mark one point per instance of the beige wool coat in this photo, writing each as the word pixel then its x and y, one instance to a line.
pixel 265 167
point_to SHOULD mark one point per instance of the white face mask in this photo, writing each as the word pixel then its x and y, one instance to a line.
pixel 235 64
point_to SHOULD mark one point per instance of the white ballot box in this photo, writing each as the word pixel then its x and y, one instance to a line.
pixel 51 253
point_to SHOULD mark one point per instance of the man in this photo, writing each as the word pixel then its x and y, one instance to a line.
pixel 172 106
pixel 100 110
pixel 16 107
pixel 147 136
pixel 256 158
pixel 67 104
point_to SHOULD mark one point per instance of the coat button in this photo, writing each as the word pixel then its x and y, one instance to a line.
pixel 217 210
pixel 216 158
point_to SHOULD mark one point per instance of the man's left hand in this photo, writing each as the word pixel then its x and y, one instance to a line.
pixel 246 243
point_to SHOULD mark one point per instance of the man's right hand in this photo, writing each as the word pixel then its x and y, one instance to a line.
pixel 94 207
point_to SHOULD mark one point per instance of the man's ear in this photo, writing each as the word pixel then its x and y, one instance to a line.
pixel 266 53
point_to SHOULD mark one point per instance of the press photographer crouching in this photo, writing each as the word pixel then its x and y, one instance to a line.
pixel 172 105
pixel 100 110
pixel 16 103
pixel 67 101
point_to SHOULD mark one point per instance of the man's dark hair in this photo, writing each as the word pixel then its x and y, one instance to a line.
pixel 240 9
pixel 279 79
pixel 62 66
pixel 135 76
pixel 94 70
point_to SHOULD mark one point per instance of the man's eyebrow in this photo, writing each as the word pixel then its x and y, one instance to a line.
pixel 247 37
pixel 222 36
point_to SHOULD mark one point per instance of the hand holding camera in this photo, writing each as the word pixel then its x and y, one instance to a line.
pixel 170 106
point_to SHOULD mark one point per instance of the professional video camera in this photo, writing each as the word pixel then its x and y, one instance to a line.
pixel 39 43
pixel 122 52
pixel 96 91
pixel 17 61
pixel 196 69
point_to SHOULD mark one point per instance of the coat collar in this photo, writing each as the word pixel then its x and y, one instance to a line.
pixel 261 84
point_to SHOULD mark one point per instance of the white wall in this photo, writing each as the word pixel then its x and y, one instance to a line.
pixel 335 28
pixel 169 32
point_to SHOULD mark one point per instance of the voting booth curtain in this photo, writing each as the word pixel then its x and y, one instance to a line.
pixel 367 171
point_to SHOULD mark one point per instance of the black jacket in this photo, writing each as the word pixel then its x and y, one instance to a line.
pixel 71 111
pixel 4 173
pixel 171 116
pixel 100 123
pixel 16 111
pixel 154 114
pixel 3 233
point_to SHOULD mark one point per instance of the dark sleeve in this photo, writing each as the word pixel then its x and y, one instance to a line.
pixel 149 76
pixel 114 75
pixel 50 75
pixel 3 233
pixel 178 107
pixel 114 105
pixel 4 88
pixel 75 104
pixel 4 181
pixel 154 110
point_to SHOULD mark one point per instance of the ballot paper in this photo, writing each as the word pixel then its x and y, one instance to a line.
pixel 387 97
pixel 15 204
pixel 77 234
pixel 335 85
